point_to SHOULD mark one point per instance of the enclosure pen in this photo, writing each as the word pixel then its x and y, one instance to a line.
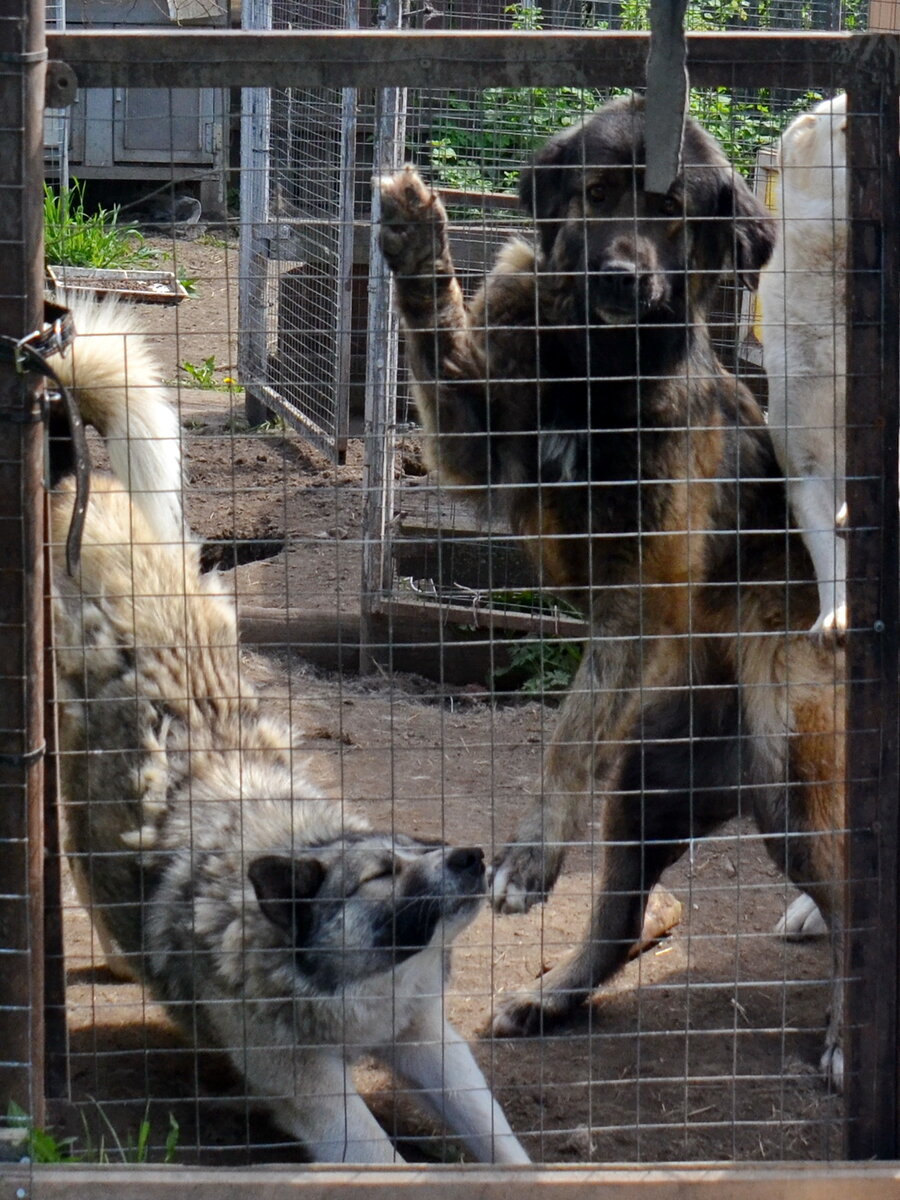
pixel 444 762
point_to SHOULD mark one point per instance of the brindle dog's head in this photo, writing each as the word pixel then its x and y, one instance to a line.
pixel 367 902
pixel 620 255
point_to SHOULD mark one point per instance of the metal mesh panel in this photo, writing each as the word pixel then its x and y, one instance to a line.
pixel 621 626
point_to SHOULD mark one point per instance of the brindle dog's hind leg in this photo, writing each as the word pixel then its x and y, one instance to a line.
pixel 645 826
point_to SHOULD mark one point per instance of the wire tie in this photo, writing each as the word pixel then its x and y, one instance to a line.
pixel 27 759
pixel 25 57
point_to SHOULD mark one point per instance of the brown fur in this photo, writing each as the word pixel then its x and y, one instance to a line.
pixel 579 393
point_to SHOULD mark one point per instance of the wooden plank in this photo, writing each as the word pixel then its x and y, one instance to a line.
pixel 731 1182
pixel 429 59
pixel 411 642
pixel 21 576
pixel 873 957
pixel 477 617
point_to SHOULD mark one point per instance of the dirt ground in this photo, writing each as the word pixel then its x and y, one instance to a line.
pixel 704 1048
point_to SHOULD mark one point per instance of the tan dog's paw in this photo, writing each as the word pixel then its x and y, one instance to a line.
pixel 413 223
pixel 663 913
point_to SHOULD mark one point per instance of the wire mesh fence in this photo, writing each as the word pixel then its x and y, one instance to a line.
pixel 609 626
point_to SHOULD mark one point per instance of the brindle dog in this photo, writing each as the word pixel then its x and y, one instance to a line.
pixel 579 394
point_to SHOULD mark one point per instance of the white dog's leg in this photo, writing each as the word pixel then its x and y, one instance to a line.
pixel 311 1095
pixel 433 1057
pixel 802 919
pixel 815 502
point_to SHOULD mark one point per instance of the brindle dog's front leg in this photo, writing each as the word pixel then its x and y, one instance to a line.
pixel 597 718
pixel 597 734
pixel 446 356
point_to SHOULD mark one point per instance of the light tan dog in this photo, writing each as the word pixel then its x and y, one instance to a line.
pixel 267 920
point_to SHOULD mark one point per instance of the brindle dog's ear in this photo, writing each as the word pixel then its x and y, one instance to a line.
pixel 754 230
pixel 542 190
pixel 284 887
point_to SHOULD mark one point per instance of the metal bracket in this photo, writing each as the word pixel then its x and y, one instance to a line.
pixel 29 354
pixel 60 85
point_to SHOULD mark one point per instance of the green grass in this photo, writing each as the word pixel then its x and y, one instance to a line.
pixel 76 237
pixel 43 1146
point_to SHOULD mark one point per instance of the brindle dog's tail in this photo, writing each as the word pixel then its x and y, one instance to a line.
pixel 115 378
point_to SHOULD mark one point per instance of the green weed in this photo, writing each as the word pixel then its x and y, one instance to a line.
pixel 538 665
pixel 481 140
pixel 75 237
pixel 206 375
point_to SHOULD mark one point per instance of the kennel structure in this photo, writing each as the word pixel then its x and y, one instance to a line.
pixel 309 283
pixel 305 65
pixel 151 136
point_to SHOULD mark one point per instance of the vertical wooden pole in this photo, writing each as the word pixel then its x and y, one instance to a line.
pixel 872 961
pixel 22 72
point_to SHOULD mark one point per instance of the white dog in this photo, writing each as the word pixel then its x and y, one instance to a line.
pixel 803 297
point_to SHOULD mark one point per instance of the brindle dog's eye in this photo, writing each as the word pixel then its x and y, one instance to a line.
pixel 671 207
pixel 596 193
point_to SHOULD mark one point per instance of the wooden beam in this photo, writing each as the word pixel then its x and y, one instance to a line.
pixel 353 58
pixel 730 1182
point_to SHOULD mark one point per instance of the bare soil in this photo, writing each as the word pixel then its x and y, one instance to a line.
pixel 704 1048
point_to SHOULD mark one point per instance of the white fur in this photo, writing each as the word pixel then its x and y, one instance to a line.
pixel 803 297
pixel 119 391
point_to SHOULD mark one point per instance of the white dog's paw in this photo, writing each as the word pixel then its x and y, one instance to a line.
pixel 831 1065
pixel 831 627
pixel 802 919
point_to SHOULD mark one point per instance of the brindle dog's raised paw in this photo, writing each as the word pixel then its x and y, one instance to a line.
pixel 413 223
pixel 522 876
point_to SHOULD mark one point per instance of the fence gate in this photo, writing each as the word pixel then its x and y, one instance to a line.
pixel 706 1045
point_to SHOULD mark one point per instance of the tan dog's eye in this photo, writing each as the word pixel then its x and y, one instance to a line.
pixel 384 870
pixel 671 206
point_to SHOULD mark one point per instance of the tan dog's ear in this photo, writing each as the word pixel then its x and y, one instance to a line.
pixel 284 888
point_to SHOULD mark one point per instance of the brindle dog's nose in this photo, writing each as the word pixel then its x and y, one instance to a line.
pixel 466 858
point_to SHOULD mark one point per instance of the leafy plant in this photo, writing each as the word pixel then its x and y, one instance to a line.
pixel 548 664
pixel 77 237
pixel 204 375
pixel 481 139
pixel 41 1146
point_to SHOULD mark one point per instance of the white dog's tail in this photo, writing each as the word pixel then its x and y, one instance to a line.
pixel 115 378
